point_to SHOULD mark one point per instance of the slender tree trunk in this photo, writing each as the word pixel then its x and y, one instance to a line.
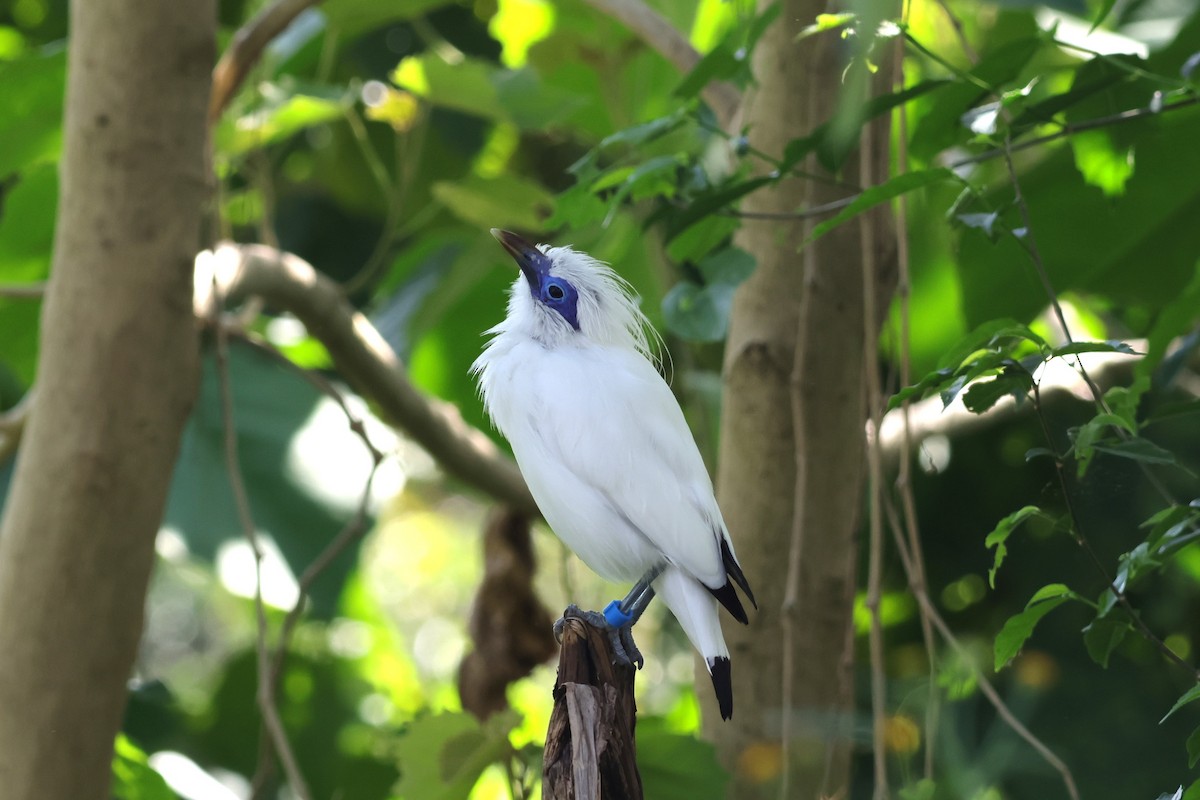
pixel 116 377
pixel 792 445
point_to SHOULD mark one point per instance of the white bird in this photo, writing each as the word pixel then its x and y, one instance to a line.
pixel 568 378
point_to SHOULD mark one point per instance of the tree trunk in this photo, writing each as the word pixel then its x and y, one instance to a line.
pixel 792 443
pixel 117 374
pixel 590 753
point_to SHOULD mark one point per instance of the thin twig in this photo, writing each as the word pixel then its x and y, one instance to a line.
pixel 23 291
pixel 1083 541
pixel 904 476
pixel 246 49
pixel 1002 710
pixel 999 152
pixel 874 392
pixel 265 697
pixel 368 363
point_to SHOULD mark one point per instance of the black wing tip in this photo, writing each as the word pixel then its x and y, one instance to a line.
pixel 734 570
pixel 722 679
pixel 727 597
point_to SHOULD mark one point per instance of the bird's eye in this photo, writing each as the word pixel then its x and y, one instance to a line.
pixel 555 291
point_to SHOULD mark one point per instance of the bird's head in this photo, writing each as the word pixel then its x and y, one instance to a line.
pixel 562 293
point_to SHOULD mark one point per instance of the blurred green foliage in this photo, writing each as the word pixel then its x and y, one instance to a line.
pixel 381 140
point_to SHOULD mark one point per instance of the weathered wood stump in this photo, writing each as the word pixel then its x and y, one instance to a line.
pixel 590 753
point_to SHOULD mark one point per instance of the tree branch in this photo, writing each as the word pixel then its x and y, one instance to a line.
pixel 23 291
pixel 662 37
pixel 246 49
pixel 366 361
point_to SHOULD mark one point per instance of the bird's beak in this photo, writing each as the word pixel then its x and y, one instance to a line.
pixel 533 262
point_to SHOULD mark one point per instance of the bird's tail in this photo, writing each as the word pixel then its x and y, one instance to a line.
pixel 696 610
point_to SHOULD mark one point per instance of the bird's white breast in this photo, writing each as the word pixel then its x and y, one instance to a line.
pixel 607 455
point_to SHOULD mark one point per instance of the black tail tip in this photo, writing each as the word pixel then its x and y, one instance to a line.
pixel 722 679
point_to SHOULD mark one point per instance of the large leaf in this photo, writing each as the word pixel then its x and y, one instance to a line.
pixel 132 776
pixel 676 766
pixel 31 125
pixel 442 756
pixel 304 469
pixel 941 127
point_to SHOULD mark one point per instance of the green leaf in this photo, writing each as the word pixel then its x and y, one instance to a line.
pixel 677 766
pixel 1176 317
pixel 282 118
pixel 999 536
pixel 730 59
pixel 981 396
pixel 827 22
pixel 1106 7
pixel 442 756
pixel 1102 636
pixel 508 201
pixel 730 266
pixel 132 776
pixel 31 126
pixel 1187 697
pixel 710 202
pixel 987 336
pixel 1111 346
pixel 698 313
pixel 924 789
pixel 940 127
pixel 1193 748
pixel 1019 628
pixel 645 132
pixel 936 380
pixel 658 174
pixel 1102 162
pixel 1139 449
pixel 901 184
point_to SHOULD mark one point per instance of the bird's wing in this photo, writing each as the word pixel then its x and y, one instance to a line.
pixel 616 425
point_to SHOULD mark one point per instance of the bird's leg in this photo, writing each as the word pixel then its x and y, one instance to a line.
pixel 621 616
pixel 618 618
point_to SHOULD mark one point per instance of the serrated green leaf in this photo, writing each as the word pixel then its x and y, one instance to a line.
pixel 1193 748
pixel 935 380
pixel 1019 627
pixel 982 395
pixel 999 536
pixel 710 202
pixel 1111 346
pixel 1187 697
pixel 986 336
pixel 1102 636
pixel 1139 449
pixel 645 132
pixel 940 128
pixel 889 190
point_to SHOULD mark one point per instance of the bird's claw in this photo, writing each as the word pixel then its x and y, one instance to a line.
pixel 625 651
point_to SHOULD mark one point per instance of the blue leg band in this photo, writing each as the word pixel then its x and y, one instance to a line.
pixel 615 617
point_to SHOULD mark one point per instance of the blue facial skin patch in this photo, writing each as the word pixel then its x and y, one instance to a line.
pixel 559 295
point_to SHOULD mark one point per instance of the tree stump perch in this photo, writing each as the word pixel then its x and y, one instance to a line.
pixel 590 748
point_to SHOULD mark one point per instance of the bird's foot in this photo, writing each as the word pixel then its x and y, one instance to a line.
pixel 618 625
